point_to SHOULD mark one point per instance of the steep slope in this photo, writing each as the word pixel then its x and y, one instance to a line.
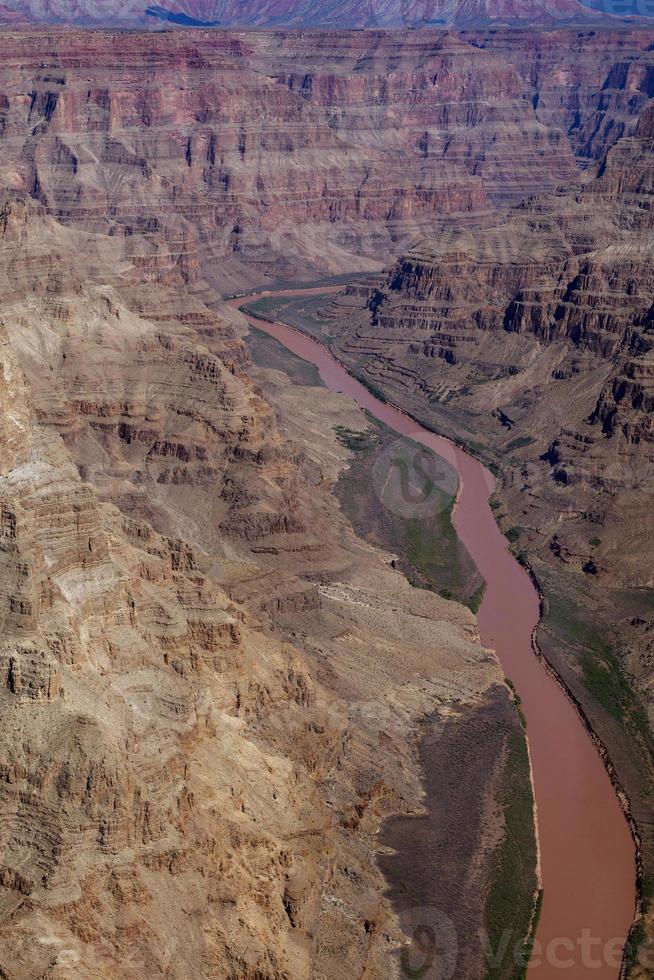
pixel 305 13
pixel 530 338
pixel 212 688
pixel 592 84
pixel 220 149
pixel 267 148
pixel 245 158
pixel 13 18
pixel 305 153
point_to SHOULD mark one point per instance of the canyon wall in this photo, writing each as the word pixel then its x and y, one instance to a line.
pixel 213 691
pixel 529 338
pixel 212 687
pixel 277 154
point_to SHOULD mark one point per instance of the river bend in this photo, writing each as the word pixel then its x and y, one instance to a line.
pixel 587 853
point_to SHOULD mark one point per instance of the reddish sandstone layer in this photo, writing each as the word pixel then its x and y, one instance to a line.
pixel 340 149
pixel 191 630
pixel 337 148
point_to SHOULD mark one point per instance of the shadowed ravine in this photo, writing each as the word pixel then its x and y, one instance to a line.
pixel 587 853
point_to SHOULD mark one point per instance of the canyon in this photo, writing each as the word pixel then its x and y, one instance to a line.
pixel 220 686
pixel 337 14
pixel 586 876
pixel 212 685
pixel 528 337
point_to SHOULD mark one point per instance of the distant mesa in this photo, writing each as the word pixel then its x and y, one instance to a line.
pixel 323 14
pixel 179 18
pixel 10 17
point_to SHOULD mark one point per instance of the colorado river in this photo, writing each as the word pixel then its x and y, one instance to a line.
pixel 587 853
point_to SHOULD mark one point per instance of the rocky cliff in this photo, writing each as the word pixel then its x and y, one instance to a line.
pixel 291 155
pixel 530 338
pixel 213 689
pixel 259 149
pixel 301 13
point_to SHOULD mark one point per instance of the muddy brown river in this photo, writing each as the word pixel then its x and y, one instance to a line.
pixel 587 852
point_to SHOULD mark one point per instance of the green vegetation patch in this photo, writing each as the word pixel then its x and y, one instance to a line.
pixel 303 312
pixel 371 386
pixel 647 890
pixel 529 944
pixel 432 543
pixel 517 700
pixel 520 442
pixel 356 441
pixel 636 939
pixel 429 552
pixel 607 682
pixel 509 906
pixel 602 672
pixel 267 352
pixel 476 599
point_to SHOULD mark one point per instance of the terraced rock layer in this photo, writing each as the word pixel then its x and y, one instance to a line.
pixel 531 339
pixel 244 156
pixel 268 154
pixel 212 686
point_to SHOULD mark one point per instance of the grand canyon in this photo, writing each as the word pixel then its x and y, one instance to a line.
pixel 326 480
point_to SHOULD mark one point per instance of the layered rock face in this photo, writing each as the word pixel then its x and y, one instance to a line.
pixel 338 149
pixel 198 745
pixel 592 84
pixel 461 111
pixel 530 337
pixel 341 149
pixel 302 13
pixel 558 290
pixel 212 687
